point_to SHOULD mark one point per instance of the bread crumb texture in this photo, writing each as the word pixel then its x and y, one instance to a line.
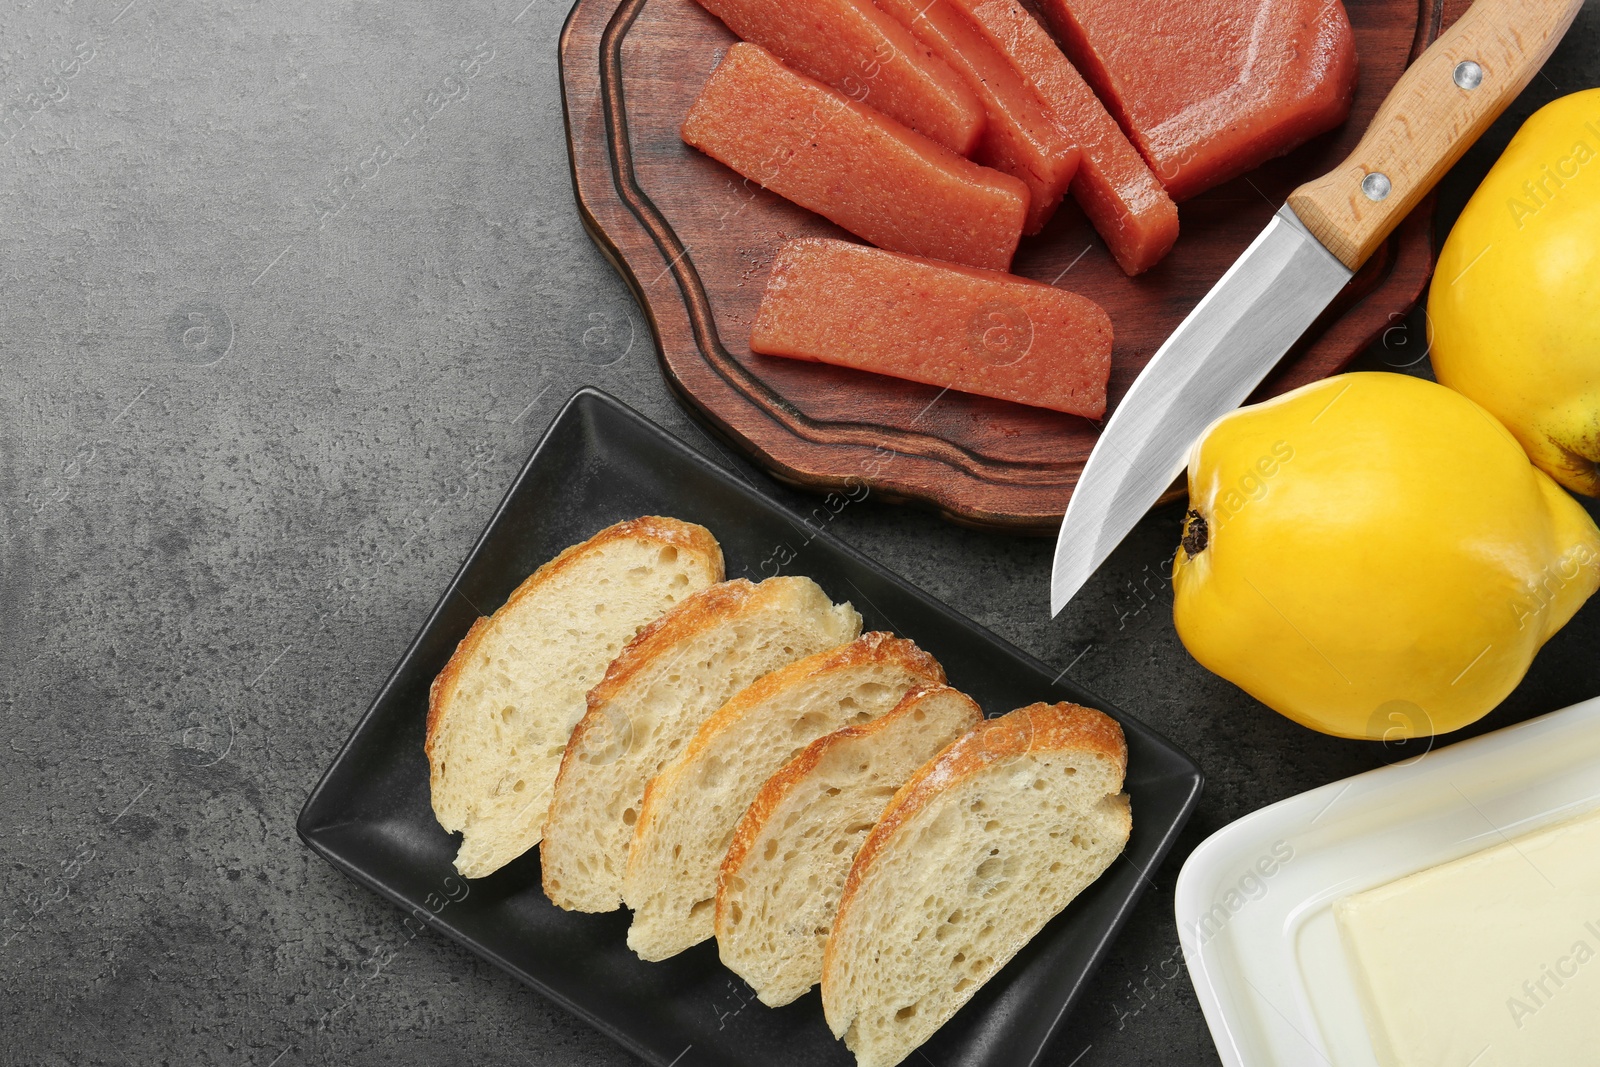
pixel 780 883
pixel 652 700
pixel 500 712
pixel 981 848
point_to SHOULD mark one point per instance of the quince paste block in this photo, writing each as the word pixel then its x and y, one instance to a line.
pixel 869 174
pixel 975 331
pixel 1114 186
pixel 865 54
pixel 1209 89
pixel 1020 138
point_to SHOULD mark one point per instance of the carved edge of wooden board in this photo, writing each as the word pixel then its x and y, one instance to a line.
pixel 839 458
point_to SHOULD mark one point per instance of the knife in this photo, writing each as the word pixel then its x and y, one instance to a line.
pixel 1296 266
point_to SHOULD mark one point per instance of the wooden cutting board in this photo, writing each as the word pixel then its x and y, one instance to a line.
pixel 694 243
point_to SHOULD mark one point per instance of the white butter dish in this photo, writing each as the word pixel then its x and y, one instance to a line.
pixel 1255 902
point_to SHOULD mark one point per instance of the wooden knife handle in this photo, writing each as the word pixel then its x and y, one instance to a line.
pixel 1440 105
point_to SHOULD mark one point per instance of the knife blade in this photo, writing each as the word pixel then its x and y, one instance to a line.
pixel 1209 365
pixel 1312 247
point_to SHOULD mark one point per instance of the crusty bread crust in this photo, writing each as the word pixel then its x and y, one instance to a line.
pixel 780 785
pixel 691 615
pixel 729 725
pixel 1037 727
pixel 708 605
pixel 877 647
pixel 699 612
pixel 444 683
pixel 667 530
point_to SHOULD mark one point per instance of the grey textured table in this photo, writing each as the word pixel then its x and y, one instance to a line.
pixel 262 384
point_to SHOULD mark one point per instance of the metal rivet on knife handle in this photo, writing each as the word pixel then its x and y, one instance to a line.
pixel 1295 268
pixel 1468 75
pixel 1426 123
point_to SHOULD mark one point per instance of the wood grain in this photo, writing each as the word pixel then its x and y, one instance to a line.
pixel 1429 120
pixel 694 242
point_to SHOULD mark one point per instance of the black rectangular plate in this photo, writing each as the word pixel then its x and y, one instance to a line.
pixel 602 462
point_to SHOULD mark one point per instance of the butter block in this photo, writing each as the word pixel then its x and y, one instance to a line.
pixel 1490 960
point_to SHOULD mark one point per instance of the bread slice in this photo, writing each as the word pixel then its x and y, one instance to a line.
pixel 654 696
pixel 982 847
pixel 691 808
pixel 779 885
pixel 500 712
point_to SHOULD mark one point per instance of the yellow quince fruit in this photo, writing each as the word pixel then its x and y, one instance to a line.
pixel 1373 556
pixel 1514 310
